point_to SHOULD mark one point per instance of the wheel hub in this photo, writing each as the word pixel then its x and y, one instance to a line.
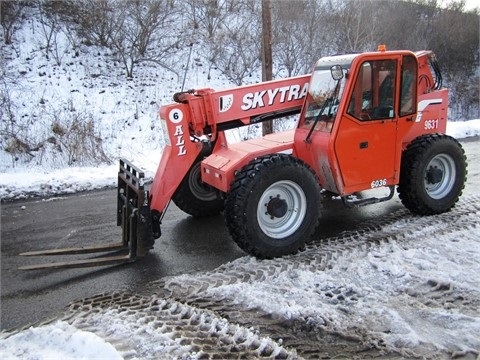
pixel 434 175
pixel 440 176
pixel 281 209
pixel 276 207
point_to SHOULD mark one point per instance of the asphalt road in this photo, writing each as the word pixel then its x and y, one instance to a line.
pixel 187 245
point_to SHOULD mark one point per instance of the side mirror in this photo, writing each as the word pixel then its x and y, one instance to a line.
pixel 337 72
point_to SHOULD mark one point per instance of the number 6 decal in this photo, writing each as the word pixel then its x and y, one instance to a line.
pixel 176 116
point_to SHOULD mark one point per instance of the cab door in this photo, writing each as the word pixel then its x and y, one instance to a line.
pixel 365 138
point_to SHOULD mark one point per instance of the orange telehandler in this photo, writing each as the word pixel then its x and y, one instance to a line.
pixel 367 121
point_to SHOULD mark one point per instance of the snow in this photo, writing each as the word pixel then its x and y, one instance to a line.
pixel 374 291
pixel 57 341
pixel 373 300
pixel 464 129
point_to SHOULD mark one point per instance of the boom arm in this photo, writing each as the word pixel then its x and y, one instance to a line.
pixel 212 111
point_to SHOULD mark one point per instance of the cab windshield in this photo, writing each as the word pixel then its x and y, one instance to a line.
pixel 325 92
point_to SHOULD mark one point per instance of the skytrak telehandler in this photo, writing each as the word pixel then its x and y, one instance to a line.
pixel 367 121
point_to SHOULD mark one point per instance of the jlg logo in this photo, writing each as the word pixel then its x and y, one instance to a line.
pixel 176 117
pixel 286 93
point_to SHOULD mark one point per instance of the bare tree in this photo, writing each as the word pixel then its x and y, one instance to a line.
pixel 302 36
pixel 236 56
pixel 236 46
pixel 357 32
pixel 52 27
pixel 144 31
pixel 208 16
pixel 457 49
pixel 288 46
pixel 93 19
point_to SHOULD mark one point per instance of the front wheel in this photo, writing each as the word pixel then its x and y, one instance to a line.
pixel 272 208
pixel 433 174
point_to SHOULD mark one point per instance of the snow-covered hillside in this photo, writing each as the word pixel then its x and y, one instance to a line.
pixel 89 86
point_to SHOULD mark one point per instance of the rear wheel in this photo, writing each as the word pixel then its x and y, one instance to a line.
pixel 433 174
pixel 195 197
pixel 272 208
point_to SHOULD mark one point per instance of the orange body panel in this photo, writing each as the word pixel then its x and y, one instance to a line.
pixel 219 168
pixel 252 100
pixel 244 105
pixel 431 117
pixel 177 158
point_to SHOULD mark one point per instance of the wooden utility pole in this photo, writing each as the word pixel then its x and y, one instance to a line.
pixel 267 72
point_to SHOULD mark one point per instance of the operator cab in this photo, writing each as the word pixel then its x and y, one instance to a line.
pixel 355 109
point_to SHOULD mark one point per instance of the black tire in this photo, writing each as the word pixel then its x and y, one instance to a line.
pixel 194 196
pixel 432 175
pixel 272 208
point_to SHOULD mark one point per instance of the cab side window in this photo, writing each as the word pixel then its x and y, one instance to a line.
pixel 408 86
pixel 361 98
pixel 373 97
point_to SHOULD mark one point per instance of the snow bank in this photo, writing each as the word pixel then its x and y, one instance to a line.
pixel 463 129
pixel 57 341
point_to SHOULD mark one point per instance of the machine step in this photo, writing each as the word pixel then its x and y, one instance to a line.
pixel 368 201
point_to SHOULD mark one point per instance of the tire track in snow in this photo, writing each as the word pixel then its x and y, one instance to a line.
pixel 150 328
pixel 400 228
